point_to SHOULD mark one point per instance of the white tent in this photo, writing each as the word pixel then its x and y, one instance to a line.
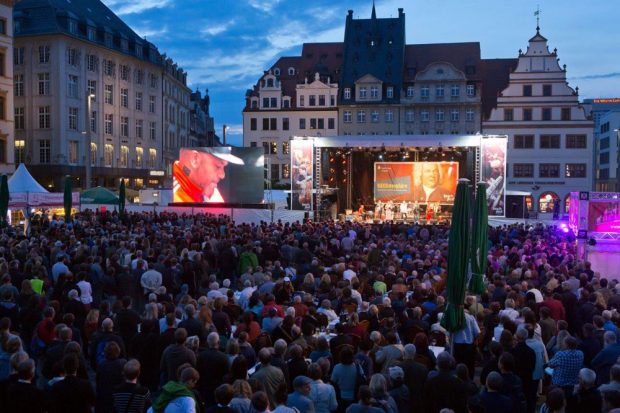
pixel 22 181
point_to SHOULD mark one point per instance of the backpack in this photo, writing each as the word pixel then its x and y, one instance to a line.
pixel 100 351
pixel 383 405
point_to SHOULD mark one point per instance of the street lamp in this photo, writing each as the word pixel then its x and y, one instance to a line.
pixel 87 164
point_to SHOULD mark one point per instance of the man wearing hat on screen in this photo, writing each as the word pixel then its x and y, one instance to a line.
pixel 198 171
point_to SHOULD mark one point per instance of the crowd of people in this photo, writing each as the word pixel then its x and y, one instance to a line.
pixel 194 313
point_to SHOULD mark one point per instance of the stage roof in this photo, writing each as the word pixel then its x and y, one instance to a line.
pixel 395 141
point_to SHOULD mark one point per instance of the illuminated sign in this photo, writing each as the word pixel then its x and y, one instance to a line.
pixel 157 173
pixel 612 100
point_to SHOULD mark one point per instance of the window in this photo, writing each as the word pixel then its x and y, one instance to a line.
pixel 109 68
pixel 312 100
pixel 139 155
pixel 93 121
pixel 44 117
pixel 44 54
pixel 439 91
pixel 124 126
pixel 2 108
pixel 508 115
pixel 527 90
pixel 455 91
pixel 313 123
pixel 73 152
pixel 549 141
pixel 546 90
pixel 44 151
pixel 439 116
pixel 276 71
pixel 108 123
pixel 374 116
pixel 604 143
pixel 266 152
pixel 546 114
pixel 549 170
pixel 124 97
pixel 302 123
pixel 73 26
pixel 108 154
pixel 523 170
pixel 73 118
pixel 575 170
pixel 291 71
pixel 72 86
pixel 547 201
pixel 527 114
pixel 18 56
pixel 152 104
pixel 18 85
pixel 124 158
pixel 139 101
pixel 286 174
pixel 253 123
pixel 285 124
pixel 346 116
pixel 331 123
pixel 138 77
pixel 321 100
pixel 424 116
pixel 363 93
pixel 409 115
pixel 274 102
pixel 152 157
pixel 44 83
pixel 374 92
pixel 273 148
pixel 273 124
pixel 108 94
pixel 72 56
pixel 390 92
pixel 91 87
pixel 125 72
pixel 20 121
pixel 92 63
pixel 93 153
pixel 139 128
pixel 424 92
pixel 20 153
pixel 152 128
pixel 410 91
pixel 347 93
pixel 286 103
pixel 152 80
pixel 389 116
pixel 92 34
pixel 471 90
pixel 524 142
pixel 286 148
pixel 454 115
pixel 577 142
pixel 603 173
pixel 603 158
pixel 565 114
pixel 302 101
pixel 361 116
pixel 265 123
pixel 470 115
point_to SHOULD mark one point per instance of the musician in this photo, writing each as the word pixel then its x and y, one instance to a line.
pixel 403 210
pixel 429 213
pixel 360 210
pixel 416 211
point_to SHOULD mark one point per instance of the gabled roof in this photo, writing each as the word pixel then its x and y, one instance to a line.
pixel 460 55
pixel 496 75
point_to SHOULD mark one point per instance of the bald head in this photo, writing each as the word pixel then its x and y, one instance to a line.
pixel 107 325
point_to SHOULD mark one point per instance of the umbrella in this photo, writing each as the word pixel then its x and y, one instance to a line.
pixel 121 198
pixel 4 198
pixel 479 242
pixel 458 247
pixel 68 198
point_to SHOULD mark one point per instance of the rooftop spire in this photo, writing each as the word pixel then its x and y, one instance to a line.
pixel 537 14
pixel 374 13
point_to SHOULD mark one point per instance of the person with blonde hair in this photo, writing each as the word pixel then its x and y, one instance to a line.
pixel 242 394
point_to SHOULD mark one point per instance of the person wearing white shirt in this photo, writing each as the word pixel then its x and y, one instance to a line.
pixel 246 293
pixel 134 262
pixel 326 308
pixel 509 311
pixel 348 274
pixel 86 290
pixel 151 280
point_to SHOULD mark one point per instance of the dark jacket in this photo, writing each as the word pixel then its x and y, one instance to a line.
pixel 212 365
pixel 603 361
pixel 443 390
pixel 72 395
pixel 25 397
pixel 495 402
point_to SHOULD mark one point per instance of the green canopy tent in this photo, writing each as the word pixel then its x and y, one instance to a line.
pixel 458 247
pixel 68 198
pixel 121 197
pixel 4 199
pixel 479 242
pixel 99 196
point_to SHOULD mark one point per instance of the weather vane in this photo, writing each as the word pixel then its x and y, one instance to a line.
pixel 537 14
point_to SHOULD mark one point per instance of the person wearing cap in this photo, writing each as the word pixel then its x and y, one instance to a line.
pixel 299 398
pixel 198 171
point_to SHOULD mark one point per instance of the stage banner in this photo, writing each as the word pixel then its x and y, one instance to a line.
pixel 604 216
pixel 493 172
pixel 302 179
pixel 423 182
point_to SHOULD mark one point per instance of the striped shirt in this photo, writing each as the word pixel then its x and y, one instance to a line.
pixel 131 398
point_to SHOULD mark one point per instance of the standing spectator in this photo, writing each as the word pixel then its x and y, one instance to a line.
pixel 23 393
pixel 364 404
pixel 323 395
pixel 566 365
pixel 414 376
pixel 299 398
pixel 213 366
pixel 525 366
pixel 72 394
pixel 491 399
pixel 223 396
pixel 176 355
pixel 127 320
pixel 346 375
pixel 271 377
pixel 242 392
pixel 443 390
pixel 464 342
pixel 606 358
pixel 100 340
pixel 177 396
pixel 109 375
pixel 131 397
pixel 586 397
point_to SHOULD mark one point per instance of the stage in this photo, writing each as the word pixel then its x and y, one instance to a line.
pixel 605 258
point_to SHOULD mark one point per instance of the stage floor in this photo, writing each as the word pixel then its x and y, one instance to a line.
pixel 605 259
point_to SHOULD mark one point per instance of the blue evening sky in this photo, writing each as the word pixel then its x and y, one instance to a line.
pixel 225 45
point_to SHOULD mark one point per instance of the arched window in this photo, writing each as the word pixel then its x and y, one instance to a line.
pixel 546 202
pixel 567 203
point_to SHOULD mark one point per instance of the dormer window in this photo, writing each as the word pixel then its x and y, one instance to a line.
pixel 108 39
pixel 92 34
pixel 269 82
pixel 390 92
pixel 73 26
pixel 139 51
pixel 124 44
pixel 347 93
pixel 276 71
pixel 374 92
pixel 291 71
pixel 362 93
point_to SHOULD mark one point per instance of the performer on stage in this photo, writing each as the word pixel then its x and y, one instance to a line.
pixel 429 213
pixel 416 211
pixel 389 211
pixel 403 210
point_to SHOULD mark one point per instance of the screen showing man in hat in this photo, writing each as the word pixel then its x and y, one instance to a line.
pixel 198 171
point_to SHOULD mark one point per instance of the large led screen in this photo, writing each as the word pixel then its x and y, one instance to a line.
pixel 219 174
pixel 424 182
pixel 493 172
pixel 604 216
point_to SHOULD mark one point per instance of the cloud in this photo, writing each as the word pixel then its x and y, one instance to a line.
pixel 611 75
pixel 150 32
pixel 122 7
pixel 217 28
pixel 266 6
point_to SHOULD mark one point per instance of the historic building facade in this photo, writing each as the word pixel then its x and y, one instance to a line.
pixel 201 125
pixel 6 88
pixel 550 143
